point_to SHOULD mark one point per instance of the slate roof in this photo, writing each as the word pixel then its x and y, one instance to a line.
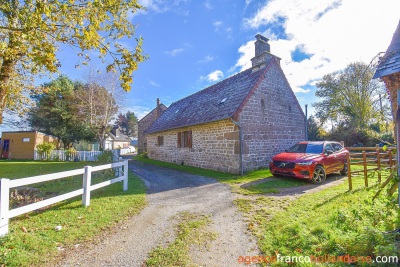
pixel 390 62
pixel 217 102
pixel 118 136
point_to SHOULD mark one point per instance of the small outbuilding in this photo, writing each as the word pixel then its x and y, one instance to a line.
pixel 22 144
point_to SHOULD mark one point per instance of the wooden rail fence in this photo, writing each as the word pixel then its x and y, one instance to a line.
pixel 87 187
pixel 372 159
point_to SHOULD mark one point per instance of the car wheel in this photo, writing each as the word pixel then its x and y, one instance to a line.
pixel 319 175
pixel 344 170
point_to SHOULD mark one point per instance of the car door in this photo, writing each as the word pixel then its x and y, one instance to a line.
pixel 330 162
pixel 341 155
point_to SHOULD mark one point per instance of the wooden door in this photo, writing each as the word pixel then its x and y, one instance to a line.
pixel 5 148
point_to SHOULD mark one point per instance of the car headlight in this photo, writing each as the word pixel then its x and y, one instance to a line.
pixel 305 163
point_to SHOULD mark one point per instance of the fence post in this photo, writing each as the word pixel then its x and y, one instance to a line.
pixel 349 171
pixel 87 177
pixel 4 205
pixel 365 168
pixel 378 158
pixel 125 186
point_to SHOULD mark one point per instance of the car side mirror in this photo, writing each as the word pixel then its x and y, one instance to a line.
pixel 329 152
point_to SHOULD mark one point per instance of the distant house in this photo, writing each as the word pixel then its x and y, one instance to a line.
pixel 145 122
pixel 22 144
pixel 235 125
pixel 116 139
pixel 388 69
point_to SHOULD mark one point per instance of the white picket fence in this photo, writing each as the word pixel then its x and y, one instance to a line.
pixel 63 155
pixel 7 184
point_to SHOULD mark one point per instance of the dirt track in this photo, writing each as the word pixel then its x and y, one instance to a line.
pixel 169 193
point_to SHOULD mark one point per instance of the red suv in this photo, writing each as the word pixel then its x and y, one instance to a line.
pixel 311 160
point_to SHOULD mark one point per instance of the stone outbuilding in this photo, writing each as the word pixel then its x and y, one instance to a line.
pixel 145 122
pixel 235 125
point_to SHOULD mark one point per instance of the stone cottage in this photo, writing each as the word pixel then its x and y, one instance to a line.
pixel 145 122
pixel 234 126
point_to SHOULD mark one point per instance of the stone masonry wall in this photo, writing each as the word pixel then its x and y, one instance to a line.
pixel 143 124
pixel 271 120
pixel 215 146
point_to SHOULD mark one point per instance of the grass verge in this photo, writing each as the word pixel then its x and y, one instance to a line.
pixel 33 241
pixel 333 221
pixel 191 230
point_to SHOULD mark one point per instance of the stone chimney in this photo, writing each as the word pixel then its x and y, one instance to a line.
pixel 262 51
pixel 158 108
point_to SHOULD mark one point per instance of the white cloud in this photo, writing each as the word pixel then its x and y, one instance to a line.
pixel 162 6
pixel 206 59
pixel 247 53
pixel 157 6
pixel 208 5
pixel 153 83
pixel 213 76
pixel 174 52
pixel 217 25
pixel 334 33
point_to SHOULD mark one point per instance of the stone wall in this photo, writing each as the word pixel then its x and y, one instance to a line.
pixel 215 146
pixel 272 120
pixel 143 124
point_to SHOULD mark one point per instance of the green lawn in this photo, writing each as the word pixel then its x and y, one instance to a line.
pixel 33 241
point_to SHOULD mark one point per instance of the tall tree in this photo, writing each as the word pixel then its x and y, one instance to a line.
pixel 350 97
pixel 97 106
pixel 315 131
pixel 128 123
pixel 57 113
pixel 32 32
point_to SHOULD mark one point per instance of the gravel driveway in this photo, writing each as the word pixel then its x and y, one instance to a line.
pixel 169 193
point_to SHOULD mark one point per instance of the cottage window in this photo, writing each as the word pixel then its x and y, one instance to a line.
pixel 26 140
pixel 160 140
pixel 185 139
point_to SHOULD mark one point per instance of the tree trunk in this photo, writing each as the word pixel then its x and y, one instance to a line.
pixel 5 76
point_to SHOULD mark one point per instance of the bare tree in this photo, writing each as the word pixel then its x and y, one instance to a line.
pixel 98 102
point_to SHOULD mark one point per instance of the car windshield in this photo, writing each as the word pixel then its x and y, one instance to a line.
pixel 306 148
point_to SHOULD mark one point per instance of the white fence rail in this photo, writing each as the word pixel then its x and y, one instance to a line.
pixel 7 184
pixel 63 155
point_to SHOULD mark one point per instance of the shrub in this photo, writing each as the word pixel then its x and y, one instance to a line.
pixel 106 157
pixel 70 154
pixel 44 150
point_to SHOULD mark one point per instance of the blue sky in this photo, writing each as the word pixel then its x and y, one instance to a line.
pixel 195 43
